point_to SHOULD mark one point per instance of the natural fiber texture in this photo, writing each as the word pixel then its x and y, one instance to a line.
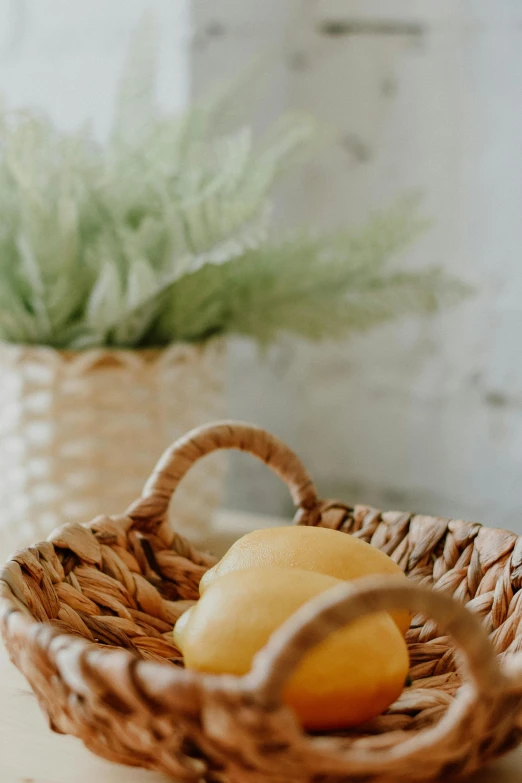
pixel 80 432
pixel 87 616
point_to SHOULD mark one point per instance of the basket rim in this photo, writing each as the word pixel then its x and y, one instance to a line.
pixel 486 709
pixel 192 689
pixel 180 350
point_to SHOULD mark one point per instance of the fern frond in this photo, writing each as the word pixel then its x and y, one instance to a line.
pixel 135 102
pixel 163 233
pixel 311 286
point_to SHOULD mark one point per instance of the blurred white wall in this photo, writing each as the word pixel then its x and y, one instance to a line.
pixel 424 414
pixel 66 55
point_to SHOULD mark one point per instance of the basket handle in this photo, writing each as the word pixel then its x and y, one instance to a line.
pixel 344 604
pixel 179 458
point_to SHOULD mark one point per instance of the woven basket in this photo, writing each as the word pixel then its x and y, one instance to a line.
pixel 80 432
pixel 87 617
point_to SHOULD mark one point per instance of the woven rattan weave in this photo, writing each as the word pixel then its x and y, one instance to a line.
pixel 87 616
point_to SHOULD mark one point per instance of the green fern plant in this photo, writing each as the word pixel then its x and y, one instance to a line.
pixel 162 234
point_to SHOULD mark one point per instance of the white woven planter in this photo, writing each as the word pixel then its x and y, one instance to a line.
pixel 80 432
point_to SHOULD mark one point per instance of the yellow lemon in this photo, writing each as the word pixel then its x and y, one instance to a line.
pixel 317 549
pixel 351 677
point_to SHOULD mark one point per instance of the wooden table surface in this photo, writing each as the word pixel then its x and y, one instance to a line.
pixel 31 753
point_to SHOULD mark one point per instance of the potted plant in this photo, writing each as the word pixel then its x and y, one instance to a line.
pixel 124 265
